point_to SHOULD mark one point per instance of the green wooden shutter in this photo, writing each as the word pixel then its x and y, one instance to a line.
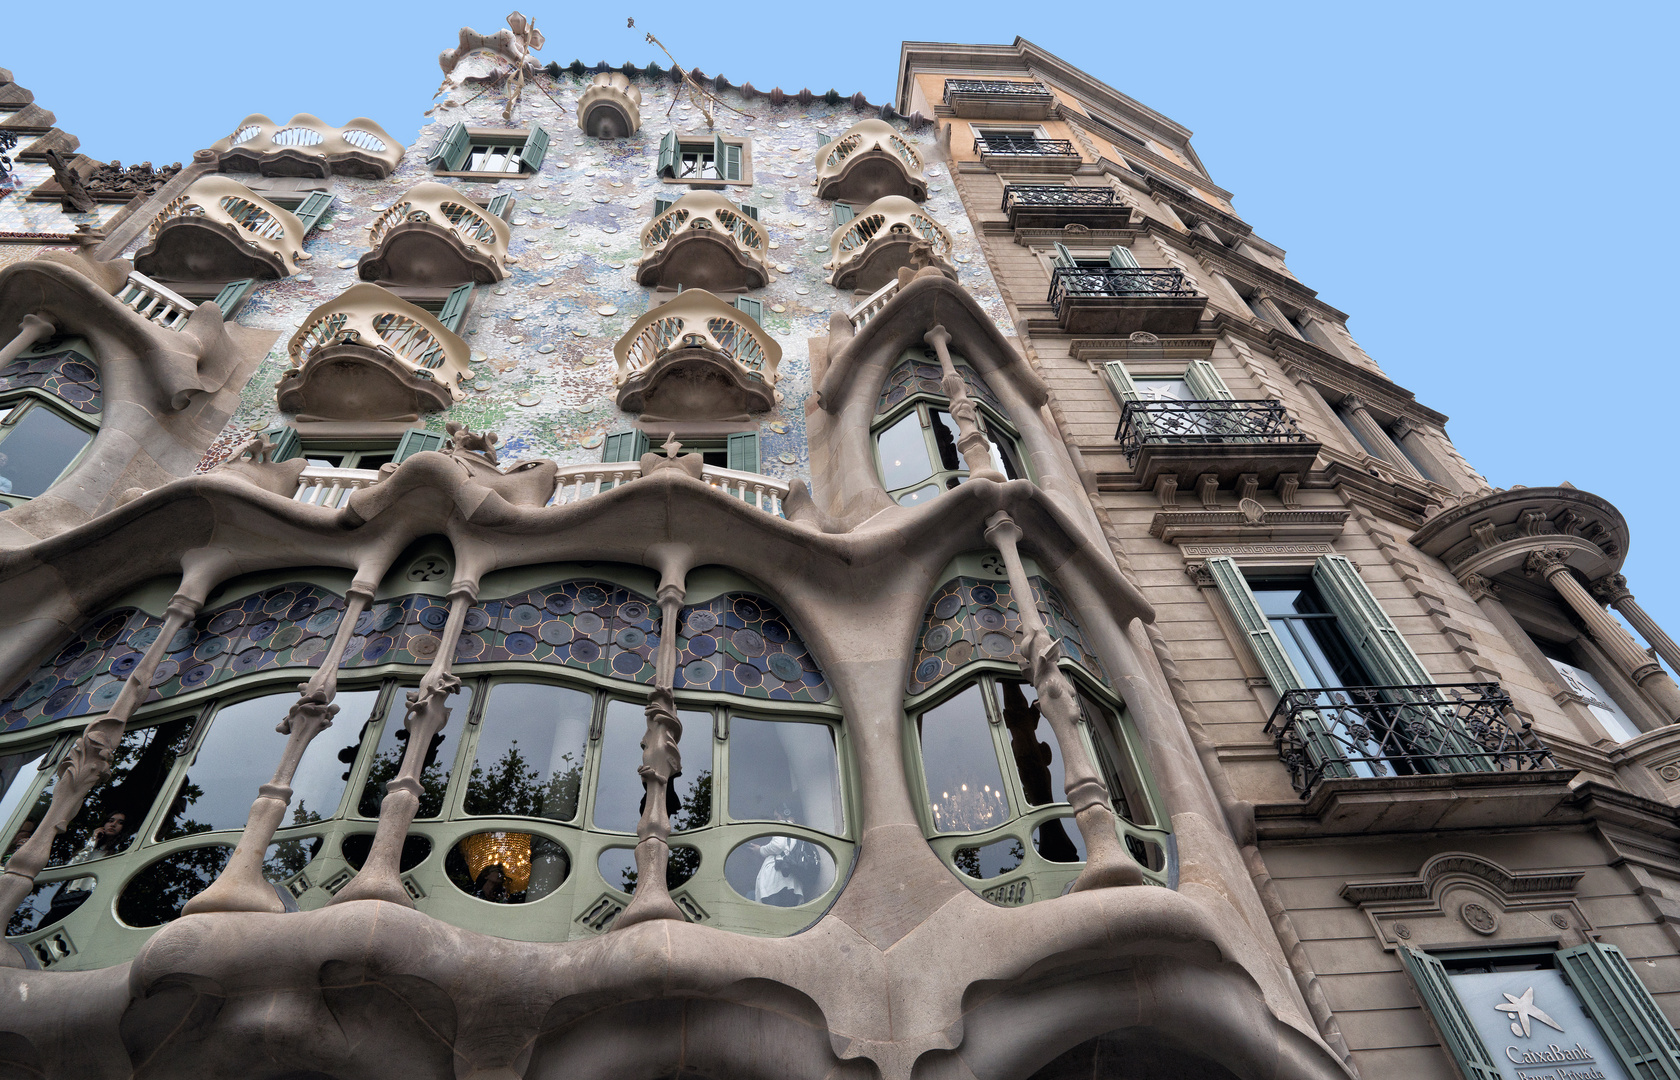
pixel 1120 382
pixel 1121 258
pixel 451 150
pixel 287 445
pixel 312 209
pixel 501 206
pixel 661 205
pixel 750 211
pixel 752 309
pixel 536 148
pixel 1379 643
pixel 415 440
pixel 668 154
pixel 1624 1010
pixel 1458 1031
pixel 455 307
pixel 1204 382
pixel 743 451
pixel 843 213
pixel 232 295
pixel 625 446
pixel 720 156
pixel 1062 256
pixel 1321 747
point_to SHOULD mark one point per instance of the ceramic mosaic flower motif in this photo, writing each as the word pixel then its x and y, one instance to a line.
pixel 969 620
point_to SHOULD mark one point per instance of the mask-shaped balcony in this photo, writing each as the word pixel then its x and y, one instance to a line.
pixel 435 236
pixel 696 358
pixel 220 230
pixel 870 161
pixel 309 146
pixel 367 355
pixel 704 241
pixel 1117 301
pixel 890 234
pixel 611 108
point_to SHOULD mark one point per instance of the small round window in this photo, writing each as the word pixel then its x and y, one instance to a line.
pixel 782 871
pixel 507 867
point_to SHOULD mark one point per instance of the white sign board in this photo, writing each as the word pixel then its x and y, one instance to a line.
pixel 1536 1028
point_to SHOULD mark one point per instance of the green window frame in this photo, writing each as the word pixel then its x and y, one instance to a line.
pixel 417 440
pixel 501 206
pixel 718 160
pixel 482 153
pixel 625 446
pixel 16 411
pixel 455 306
pixel 938 440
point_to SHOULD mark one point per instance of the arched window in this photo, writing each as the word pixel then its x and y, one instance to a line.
pixel 50 406
pixel 916 435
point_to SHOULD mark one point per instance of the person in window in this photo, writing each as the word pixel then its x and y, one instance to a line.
pixel 104 841
pixel 25 831
pixel 5 481
pixel 491 885
pixel 782 875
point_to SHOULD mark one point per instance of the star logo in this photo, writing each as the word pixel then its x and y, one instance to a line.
pixel 1521 1010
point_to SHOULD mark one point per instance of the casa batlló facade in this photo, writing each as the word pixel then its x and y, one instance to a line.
pixel 663 578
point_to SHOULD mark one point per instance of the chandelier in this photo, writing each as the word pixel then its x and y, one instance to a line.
pixel 509 850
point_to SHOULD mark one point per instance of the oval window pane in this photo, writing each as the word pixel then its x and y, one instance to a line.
pixel 783 771
pixel 964 783
pixel 530 751
pixel 782 871
pixel 904 455
pixel 1032 744
pixel 47 904
pixel 618 787
pixel 156 894
pixel 286 859
pixel 991 860
pixel 502 867
pixel 1058 840
pixel 440 756
pixel 37 449
pixel 114 809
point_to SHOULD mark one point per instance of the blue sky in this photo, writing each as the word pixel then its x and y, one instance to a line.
pixel 1478 185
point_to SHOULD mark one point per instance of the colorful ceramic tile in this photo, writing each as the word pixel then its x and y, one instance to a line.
pixel 969 620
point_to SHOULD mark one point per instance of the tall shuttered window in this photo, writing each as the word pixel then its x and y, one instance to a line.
pixel 714 160
pixel 493 153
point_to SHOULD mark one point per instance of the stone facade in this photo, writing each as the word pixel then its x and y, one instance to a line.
pixel 532 624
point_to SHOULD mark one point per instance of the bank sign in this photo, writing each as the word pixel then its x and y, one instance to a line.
pixel 1535 1027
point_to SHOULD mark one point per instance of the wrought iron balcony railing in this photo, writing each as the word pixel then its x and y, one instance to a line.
pixel 1078 282
pixel 1056 195
pixel 1024 146
pixel 1202 423
pixel 992 86
pixel 1373 731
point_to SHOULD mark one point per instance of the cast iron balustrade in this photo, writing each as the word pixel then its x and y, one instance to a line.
pixel 1079 281
pixel 1155 423
pixel 998 99
pixel 1024 146
pixel 1024 195
pixel 1373 731
pixel 1117 301
pixel 1052 206
pixel 991 86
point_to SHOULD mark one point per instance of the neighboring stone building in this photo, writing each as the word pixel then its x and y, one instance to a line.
pixel 625 502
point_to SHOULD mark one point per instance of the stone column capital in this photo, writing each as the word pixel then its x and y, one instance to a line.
pixel 1478 586
pixel 1546 563
pixel 937 336
pixel 1612 589
pixel 1001 528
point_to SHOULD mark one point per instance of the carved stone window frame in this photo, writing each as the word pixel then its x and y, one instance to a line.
pixel 1460 900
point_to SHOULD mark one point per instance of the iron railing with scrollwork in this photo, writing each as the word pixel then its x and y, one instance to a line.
pixel 993 86
pixel 1057 195
pixel 1024 146
pixel 1374 731
pixel 1155 423
pixel 1078 282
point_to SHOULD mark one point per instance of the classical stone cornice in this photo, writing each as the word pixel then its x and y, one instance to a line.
pixel 1328 370
pixel 1500 532
pixel 1234 526
pixel 1461 864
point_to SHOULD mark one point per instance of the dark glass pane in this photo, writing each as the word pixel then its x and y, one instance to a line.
pixel 991 860
pixel 115 809
pixel 36 450
pixel 156 894
pixel 618 787
pixel 1037 754
pixel 239 753
pixel 286 859
pixel 965 785
pixel 784 772
pixel 47 904
pixel 904 455
pixel 393 741
pixel 19 773
pixel 919 496
pixel 782 871
pixel 507 867
pixel 618 867
pixel 1058 840
pixel 414 850
pixel 945 433
pixel 530 751
pixel 1115 763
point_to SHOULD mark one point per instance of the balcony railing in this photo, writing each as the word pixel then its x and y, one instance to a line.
pixel 893 222
pixel 960 87
pixel 697 319
pixel 711 219
pixel 260 224
pixel 322 486
pixel 483 236
pixel 1024 146
pixel 1057 195
pixel 151 301
pixel 1075 282
pixel 872 305
pixel 1203 423
pixel 1375 731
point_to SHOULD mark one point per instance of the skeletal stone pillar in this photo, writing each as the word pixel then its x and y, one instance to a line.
pixel 1371 432
pixel 380 877
pixel 1550 565
pixel 32 330
pixel 1107 862
pixel 661 764
pixel 87 763
pixel 241 886
pixel 972 443
pixel 1613 590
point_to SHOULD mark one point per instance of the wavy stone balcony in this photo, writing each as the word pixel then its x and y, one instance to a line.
pixel 610 107
pixel 869 162
pixel 696 358
pixel 890 234
pixel 219 229
pixel 436 236
pixel 704 241
pixel 308 146
pixel 1056 206
pixel 367 355
pixel 1226 438
pixel 998 99
pixel 1118 301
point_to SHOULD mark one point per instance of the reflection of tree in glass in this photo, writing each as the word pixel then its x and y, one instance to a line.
pixel 287 857
pixel 511 786
pixel 138 770
pixel 433 778
pixel 695 812
pixel 173 823
pixel 156 894
pixel 968 859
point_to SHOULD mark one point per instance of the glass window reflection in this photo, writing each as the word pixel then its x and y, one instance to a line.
pixel 393 741
pixel 115 810
pixel 964 782
pixel 904 454
pixel 531 744
pixel 618 786
pixel 37 449
pixel 780 771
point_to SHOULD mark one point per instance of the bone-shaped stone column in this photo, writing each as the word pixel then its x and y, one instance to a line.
pixel 32 330
pixel 241 886
pixel 972 442
pixel 381 875
pixel 1107 862
pixel 87 763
